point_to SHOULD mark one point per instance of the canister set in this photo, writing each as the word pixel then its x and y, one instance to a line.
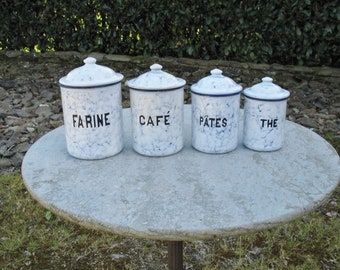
pixel 92 110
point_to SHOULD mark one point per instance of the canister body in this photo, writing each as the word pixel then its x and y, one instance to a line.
pixel 157 121
pixel 264 123
pixel 93 121
pixel 215 122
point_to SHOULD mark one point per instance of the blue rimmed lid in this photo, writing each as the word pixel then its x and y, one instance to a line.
pixel 155 80
pixel 90 75
pixel 266 90
pixel 216 84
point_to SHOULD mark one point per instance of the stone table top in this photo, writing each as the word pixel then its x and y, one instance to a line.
pixel 189 195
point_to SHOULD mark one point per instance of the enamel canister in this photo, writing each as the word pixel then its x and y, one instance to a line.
pixel 92 110
pixel 157 102
pixel 264 116
pixel 215 113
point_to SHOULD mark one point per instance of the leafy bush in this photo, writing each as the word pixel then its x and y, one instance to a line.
pixel 301 32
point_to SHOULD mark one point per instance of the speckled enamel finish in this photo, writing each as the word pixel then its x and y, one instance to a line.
pixel 92 110
pixel 215 123
pixel 157 122
pixel 260 134
pixel 264 116
pixel 157 100
pixel 103 135
pixel 215 113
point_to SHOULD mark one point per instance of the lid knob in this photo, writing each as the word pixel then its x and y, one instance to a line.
pixel 90 60
pixel 156 67
pixel 216 72
pixel 267 79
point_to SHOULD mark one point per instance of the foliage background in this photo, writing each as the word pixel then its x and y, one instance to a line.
pixel 304 32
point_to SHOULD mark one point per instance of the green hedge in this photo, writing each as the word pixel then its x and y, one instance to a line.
pixel 301 32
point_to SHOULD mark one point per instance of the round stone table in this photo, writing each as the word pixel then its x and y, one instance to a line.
pixel 187 196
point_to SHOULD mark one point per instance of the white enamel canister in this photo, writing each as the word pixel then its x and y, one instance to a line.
pixel 92 110
pixel 264 116
pixel 157 100
pixel 215 113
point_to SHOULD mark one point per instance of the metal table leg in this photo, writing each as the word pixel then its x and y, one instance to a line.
pixel 175 255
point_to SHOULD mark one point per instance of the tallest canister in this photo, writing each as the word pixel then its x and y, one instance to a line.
pixel 92 109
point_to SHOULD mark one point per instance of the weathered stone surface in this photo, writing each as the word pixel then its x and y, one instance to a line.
pixel 30 102
pixel 205 197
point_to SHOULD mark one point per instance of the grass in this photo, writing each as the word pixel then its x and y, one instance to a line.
pixel 34 238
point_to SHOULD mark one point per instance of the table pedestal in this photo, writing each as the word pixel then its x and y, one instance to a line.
pixel 175 255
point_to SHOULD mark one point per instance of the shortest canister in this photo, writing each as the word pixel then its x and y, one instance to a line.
pixel 92 109
pixel 157 100
pixel 264 116
pixel 215 113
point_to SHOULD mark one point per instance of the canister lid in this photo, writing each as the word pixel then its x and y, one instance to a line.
pixel 155 80
pixel 266 90
pixel 90 75
pixel 216 84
